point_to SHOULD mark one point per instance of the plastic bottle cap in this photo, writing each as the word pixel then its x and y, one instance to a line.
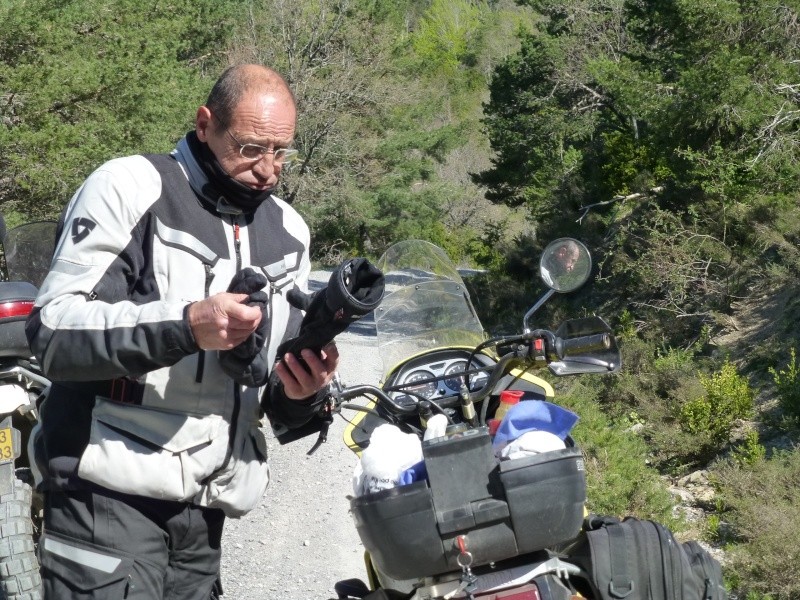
pixel 511 396
pixel 508 398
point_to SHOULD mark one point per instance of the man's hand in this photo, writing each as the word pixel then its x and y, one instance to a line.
pixel 222 321
pixel 302 378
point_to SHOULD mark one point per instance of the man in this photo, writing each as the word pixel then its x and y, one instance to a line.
pixel 559 262
pixel 158 323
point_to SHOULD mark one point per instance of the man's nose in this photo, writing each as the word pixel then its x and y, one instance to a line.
pixel 266 166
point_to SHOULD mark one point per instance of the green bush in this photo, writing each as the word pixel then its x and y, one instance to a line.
pixel 620 480
pixel 675 373
pixel 654 381
pixel 787 382
pixel 750 451
pixel 728 398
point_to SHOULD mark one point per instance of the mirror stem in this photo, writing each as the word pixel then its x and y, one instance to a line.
pixel 534 308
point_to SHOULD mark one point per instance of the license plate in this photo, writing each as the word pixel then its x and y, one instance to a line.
pixel 6 445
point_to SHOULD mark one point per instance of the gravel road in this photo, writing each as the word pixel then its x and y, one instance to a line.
pixel 301 539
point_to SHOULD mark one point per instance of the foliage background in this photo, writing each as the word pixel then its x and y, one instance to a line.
pixel 665 135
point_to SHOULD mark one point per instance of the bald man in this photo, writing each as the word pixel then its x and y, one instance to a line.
pixel 158 324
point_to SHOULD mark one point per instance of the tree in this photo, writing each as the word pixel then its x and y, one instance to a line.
pixel 448 34
pixel 616 96
pixel 613 99
pixel 83 81
pixel 333 58
pixel 374 120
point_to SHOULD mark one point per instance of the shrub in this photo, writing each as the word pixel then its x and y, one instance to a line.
pixel 787 382
pixel 728 398
pixel 673 368
pixel 620 480
pixel 761 504
pixel 653 381
pixel 750 451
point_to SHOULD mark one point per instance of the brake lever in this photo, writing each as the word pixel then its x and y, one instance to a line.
pixel 330 406
pixel 322 437
pixel 326 415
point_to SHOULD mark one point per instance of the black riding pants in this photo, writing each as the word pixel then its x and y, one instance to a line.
pixel 104 545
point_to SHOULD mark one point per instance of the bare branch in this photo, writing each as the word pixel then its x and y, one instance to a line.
pixel 637 196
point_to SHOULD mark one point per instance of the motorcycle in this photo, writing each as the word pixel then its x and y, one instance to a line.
pixel 469 525
pixel 27 250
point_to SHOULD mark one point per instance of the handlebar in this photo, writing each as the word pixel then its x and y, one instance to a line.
pixel 536 348
pixel 383 398
pixel 599 342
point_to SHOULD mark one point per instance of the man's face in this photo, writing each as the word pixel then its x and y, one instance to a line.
pixel 567 256
pixel 266 120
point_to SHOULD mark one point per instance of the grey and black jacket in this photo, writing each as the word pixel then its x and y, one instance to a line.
pixel 136 406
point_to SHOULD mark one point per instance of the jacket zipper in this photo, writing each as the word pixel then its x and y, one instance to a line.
pixel 269 316
pixel 201 357
pixel 237 245
pixel 237 400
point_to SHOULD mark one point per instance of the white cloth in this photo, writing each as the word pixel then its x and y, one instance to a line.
pixel 389 454
pixel 436 427
pixel 530 443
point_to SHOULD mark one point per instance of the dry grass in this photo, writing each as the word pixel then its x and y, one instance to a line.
pixel 761 506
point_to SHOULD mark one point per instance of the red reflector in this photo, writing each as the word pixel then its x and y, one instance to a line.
pixel 21 308
pixel 538 344
pixel 526 592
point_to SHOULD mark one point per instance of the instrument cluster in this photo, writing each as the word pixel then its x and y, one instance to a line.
pixel 438 376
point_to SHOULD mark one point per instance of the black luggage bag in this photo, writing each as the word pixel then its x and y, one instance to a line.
pixel 637 559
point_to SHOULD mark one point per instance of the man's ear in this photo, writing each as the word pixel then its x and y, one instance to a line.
pixel 202 122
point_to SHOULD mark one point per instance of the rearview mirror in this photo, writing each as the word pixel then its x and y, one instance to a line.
pixel 565 265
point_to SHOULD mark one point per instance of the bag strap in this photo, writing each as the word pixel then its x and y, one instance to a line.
pixel 675 563
pixel 594 522
pixel 621 583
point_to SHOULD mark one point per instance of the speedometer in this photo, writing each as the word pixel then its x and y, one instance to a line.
pixel 426 390
pixel 453 373
pixel 455 377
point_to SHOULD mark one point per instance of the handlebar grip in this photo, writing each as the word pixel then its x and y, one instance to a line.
pixel 598 342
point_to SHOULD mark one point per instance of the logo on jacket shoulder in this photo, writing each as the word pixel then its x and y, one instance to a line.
pixel 81 228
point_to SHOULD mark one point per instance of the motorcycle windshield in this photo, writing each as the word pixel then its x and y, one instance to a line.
pixel 28 250
pixel 425 306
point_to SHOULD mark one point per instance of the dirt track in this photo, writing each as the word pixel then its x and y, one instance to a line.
pixel 301 539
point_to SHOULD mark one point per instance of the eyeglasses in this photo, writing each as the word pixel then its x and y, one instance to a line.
pixel 280 156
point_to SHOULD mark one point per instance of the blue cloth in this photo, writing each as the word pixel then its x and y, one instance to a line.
pixel 533 415
pixel 417 472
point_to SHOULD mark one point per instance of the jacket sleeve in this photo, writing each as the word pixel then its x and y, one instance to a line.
pixel 90 321
pixel 292 419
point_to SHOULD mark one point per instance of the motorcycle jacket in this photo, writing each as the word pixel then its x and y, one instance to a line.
pixel 135 405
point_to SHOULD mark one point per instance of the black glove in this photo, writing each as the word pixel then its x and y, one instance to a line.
pixel 355 289
pixel 237 362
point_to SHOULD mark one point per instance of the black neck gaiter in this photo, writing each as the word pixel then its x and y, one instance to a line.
pixel 220 183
